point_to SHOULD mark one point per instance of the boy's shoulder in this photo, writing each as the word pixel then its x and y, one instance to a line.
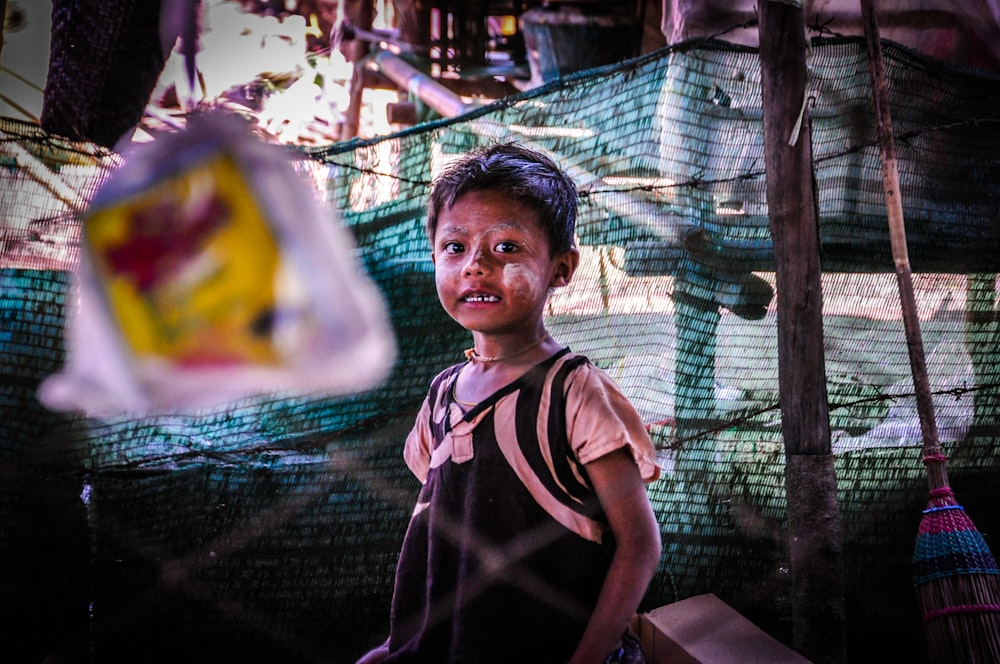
pixel 445 374
pixel 565 360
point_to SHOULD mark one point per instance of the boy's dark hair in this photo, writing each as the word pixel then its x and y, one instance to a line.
pixel 526 175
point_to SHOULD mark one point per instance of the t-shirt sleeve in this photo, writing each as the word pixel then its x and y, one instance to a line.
pixel 417 450
pixel 601 420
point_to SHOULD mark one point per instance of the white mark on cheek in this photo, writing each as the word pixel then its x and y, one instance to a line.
pixel 521 281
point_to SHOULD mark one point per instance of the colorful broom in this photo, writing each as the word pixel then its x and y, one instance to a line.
pixel 956 576
pixel 958 582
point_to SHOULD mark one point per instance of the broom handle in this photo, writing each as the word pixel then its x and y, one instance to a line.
pixel 933 453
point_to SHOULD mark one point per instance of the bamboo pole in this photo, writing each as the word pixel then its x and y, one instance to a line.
pixel 815 546
pixel 897 241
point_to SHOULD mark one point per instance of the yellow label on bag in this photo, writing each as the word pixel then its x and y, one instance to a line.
pixel 189 267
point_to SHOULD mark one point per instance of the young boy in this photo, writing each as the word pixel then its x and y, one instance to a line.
pixel 533 539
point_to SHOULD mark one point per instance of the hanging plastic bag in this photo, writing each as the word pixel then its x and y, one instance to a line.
pixel 211 272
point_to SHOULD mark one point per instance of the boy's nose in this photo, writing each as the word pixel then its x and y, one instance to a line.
pixel 476 263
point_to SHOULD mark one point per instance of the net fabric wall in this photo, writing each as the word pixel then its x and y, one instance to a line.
pixel 268 530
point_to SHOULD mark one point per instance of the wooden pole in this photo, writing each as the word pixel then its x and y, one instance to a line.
pixel 359 50
pixel 818 616
pixel 3 23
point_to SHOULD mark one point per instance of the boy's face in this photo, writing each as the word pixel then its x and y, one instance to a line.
pixel 493 265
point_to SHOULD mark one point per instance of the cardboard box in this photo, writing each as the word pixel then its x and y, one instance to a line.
pixel 705 630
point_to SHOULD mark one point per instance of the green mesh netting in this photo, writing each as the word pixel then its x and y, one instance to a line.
pixel 268 530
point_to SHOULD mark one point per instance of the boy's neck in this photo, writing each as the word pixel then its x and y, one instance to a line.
pixel 478 380
pixel 475 357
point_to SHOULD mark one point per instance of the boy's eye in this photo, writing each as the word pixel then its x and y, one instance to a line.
pixel 453 248
pixel 506 247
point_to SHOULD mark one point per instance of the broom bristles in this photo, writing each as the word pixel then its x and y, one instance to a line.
pixel 960 625
pixel 958 585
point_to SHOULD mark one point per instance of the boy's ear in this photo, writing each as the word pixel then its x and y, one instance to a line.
pixel 566 265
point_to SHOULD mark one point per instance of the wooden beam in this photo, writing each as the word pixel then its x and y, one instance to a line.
pixel 818 616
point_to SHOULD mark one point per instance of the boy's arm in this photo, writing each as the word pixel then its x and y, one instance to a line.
pixel 619 487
